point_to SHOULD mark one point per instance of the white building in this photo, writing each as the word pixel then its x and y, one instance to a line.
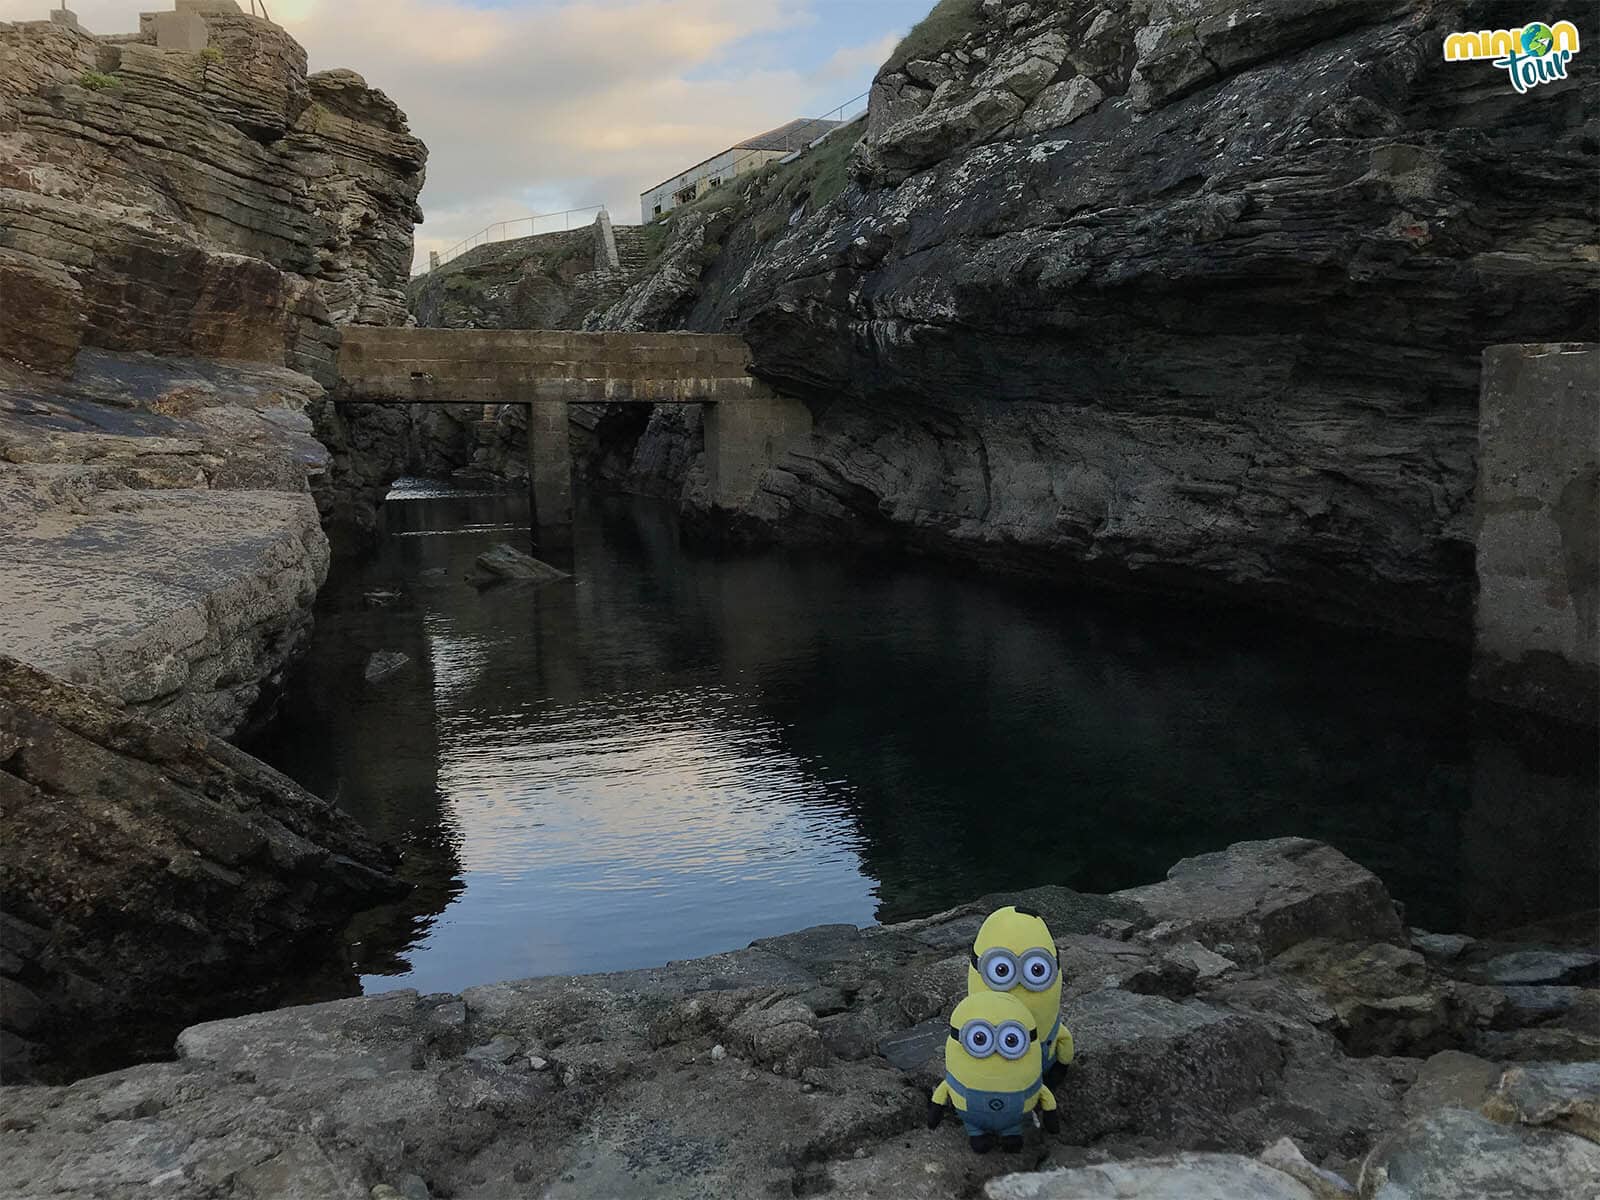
pixel 749 155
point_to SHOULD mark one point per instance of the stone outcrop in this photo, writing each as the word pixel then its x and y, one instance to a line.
pixel 801 1066
pixel 1170 296
pixel 152 876
pixel 211 202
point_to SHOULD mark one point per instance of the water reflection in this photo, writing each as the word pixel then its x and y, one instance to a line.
pixel 677 753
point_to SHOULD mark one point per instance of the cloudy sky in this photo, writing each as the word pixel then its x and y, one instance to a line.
pixel 535 106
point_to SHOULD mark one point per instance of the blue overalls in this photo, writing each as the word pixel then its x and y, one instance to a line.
pixel 994 1112
pixel 1049 1044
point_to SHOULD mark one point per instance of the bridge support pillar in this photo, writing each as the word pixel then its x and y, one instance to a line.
pixel 550 470
pixel 744 437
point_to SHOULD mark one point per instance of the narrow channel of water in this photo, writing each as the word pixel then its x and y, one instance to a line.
pixel 679 752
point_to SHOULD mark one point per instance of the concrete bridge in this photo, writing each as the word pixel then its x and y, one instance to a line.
pixel 747 425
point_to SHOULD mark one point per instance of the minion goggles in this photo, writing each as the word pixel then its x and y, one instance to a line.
pixel 1002 970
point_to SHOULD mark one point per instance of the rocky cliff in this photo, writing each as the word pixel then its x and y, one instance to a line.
pixel 214 202
pixel 185 220
pixel 1180 295
pixel 186 192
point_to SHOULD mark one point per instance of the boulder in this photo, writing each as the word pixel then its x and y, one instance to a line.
pixel 1451 1079
pixel 1150 1066
pixel 1255 900
pixel 1540 968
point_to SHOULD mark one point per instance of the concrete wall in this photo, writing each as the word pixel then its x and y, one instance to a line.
pixel 1538 530
pixel 517 366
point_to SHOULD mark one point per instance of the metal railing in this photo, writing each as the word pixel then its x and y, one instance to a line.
pixel 825 127
pixel 504 231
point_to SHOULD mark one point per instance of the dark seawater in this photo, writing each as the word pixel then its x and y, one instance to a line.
pixel 679 752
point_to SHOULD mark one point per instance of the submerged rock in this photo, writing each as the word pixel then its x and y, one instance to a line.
pixel 151 876
pixel 385 663
pixel 506 563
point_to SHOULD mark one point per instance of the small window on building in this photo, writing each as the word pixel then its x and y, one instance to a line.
pixel 658 210
pixel 716 181
pixel 686 196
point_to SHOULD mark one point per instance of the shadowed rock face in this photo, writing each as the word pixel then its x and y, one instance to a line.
pixel 1217 330
pixel 152 876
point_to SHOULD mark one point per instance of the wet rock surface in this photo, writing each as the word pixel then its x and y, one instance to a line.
pixel 153 875
pixel 801 1065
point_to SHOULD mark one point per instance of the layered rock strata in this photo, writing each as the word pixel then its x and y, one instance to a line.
pixel 210 202
pixel 801 1066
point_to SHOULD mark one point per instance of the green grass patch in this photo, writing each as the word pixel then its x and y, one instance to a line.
pixel 827 168
pixel 99 81
pixel 949 20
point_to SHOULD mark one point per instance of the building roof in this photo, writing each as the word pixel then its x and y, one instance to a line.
pixel 796 135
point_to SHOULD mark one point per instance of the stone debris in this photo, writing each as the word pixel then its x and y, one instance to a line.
pixel 1283 1155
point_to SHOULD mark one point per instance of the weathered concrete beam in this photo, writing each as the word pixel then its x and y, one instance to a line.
pixel 1538 530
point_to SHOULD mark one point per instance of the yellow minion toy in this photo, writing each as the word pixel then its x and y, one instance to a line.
pixel 1016 955
pixel 992 1072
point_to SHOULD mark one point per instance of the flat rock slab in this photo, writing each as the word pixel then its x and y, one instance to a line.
pixel 1534 968
pixel 157 596
pixel 1458 1155
pixel 1178 1177
pixel 1451 1079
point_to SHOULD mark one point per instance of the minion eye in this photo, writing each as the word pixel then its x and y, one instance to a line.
pixel 1014 1040
pixel 999 969
pixel 977 1038
pixel 1039 970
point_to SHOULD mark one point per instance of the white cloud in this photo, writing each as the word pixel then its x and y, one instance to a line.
pixel 555 106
